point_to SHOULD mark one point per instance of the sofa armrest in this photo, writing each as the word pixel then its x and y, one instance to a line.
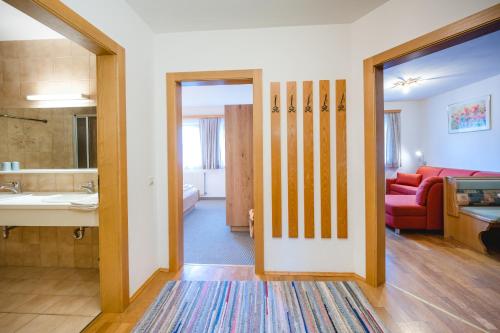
pixel 388 183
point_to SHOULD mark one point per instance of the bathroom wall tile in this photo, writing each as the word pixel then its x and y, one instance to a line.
pixel 29 183
pixel 29 70
pixel 64 182
pixel 31 255
pixel 65 247
pixel 83 255
pixel 11 89
pixel 11 70
pixel 61 48
pixel 80 67
pixel 31 235
pixel 62 69
pixel 46 182
pixel 48 247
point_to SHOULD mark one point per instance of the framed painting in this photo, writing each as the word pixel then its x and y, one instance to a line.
pixel 470 115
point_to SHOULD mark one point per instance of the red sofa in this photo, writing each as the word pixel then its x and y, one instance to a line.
pixel 421 207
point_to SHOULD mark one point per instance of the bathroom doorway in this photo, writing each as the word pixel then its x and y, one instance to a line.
pixel 111 178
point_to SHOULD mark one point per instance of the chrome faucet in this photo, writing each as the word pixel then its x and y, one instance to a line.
pixel 14 187
pixel 88 187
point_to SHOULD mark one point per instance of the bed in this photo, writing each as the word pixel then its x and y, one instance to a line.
pixel 191 195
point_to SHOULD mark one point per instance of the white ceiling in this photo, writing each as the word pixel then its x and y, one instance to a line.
pixel 15 25
pixel 446 70
pixel 198 15
pixel 196 99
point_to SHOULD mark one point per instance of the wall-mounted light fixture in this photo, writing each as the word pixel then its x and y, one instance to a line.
pixel 57 97
pixel 420 156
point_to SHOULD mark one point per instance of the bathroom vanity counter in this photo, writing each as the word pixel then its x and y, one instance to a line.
pixel 49 209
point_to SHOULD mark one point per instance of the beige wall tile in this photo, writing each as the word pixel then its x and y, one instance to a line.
pixel 64 182
pixel 46 182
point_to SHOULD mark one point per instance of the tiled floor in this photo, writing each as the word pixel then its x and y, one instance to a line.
pixel 40 299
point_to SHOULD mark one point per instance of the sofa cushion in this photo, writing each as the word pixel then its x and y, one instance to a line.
pixel 402 189
pixel 403 205
pixel 456 173
pixel 411 179
pixel 424 188
pixel 486 174
pixel 427 171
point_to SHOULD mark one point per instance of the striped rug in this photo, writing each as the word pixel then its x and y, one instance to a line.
pixel 260 306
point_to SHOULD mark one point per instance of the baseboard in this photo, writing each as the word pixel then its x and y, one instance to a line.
pixel 340 275
pixel 212 198
pixel 147 283
pixel 240 228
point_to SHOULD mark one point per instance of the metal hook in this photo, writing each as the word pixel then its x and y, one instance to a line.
pixel 308 106
pixel 275 107
pixel 341 106
pixel 324 107
pixel 291 108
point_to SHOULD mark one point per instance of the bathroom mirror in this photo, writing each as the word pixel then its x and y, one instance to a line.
pixel 47 105
pixel 49 138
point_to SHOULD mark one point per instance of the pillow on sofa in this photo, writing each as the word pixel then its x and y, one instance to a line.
pixel 424 188
pixel 410 179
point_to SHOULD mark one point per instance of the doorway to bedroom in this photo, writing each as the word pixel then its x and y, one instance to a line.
pixel 217 168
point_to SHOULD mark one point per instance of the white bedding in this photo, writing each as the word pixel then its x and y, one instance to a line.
pixel 191 195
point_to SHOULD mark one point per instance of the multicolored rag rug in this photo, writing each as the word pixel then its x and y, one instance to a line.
pixel 260 306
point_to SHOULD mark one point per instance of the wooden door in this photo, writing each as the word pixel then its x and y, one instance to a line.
pixel 239 165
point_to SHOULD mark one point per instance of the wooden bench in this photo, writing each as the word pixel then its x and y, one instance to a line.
pixel 475 227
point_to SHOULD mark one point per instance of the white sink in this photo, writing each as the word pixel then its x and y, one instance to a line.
pixel 71 198
pixel 49 209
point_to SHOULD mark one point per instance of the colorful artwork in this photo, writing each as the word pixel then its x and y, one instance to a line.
pixel 469 116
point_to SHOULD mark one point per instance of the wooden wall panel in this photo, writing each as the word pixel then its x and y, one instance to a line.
pixel 239 166
pixel 341 158
pixel 307 108
pixel 276 158
pixel 324 124
pixel 291 94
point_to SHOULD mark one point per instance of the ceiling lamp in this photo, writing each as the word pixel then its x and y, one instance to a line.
pixel 406 84
pixel 57 97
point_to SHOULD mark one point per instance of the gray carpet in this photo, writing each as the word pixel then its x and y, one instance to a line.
pixel 208 240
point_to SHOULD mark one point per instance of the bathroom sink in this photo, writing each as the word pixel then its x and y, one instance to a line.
pixel 49 209
pixel 7 196
pixel 71 198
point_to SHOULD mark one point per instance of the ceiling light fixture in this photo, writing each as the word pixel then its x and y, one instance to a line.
pixel 57 97
pixel 406 84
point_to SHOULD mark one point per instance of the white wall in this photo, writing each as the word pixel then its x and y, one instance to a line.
pixel 472 150
pixel 215 182
pixel 314 53
pixel 120 22
pixel 412 132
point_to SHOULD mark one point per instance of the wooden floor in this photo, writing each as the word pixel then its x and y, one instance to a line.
pixel 432 286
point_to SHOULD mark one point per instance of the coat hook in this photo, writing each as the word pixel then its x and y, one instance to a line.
pixel 324 108
pixel 291 108
pixel 275 107
pixel 308 105
pixel 341 106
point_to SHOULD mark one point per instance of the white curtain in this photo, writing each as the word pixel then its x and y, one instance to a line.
pixel 210 129
pixel 392 128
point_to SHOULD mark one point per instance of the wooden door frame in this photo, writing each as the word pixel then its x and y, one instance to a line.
pixel 174 155
pixel 468 28
pixel 111 142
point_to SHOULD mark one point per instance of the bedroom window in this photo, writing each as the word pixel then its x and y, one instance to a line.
pixel 191 144
pixel 192 150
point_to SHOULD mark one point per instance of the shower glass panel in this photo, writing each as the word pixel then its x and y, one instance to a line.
pixel 85 141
